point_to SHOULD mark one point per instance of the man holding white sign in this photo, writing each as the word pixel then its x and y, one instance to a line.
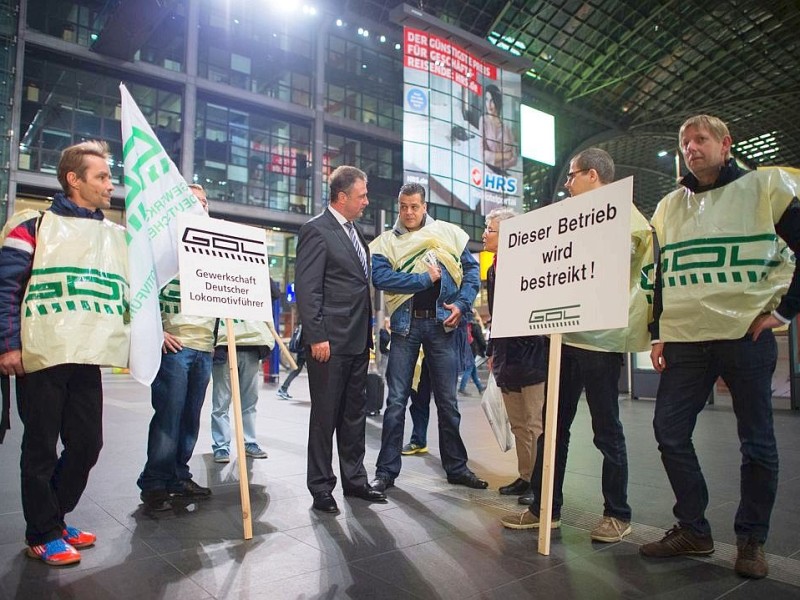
pixel 177 395
pixel 591 361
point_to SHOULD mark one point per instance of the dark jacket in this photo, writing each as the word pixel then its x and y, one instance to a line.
pixel 333 294
pixel 520 361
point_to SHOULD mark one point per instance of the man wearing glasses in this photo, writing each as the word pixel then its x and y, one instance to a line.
pixel 591 361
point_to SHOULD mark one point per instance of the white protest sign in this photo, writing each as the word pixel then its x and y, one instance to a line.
pixel 566 267
pixel 224 269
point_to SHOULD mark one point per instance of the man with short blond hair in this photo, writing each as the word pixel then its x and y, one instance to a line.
pixel 714 318
pixel 64 309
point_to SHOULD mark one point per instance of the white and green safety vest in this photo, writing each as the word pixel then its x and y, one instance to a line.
pixel 76 306
pixel 722 262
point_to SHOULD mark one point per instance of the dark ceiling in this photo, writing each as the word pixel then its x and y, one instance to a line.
pixel 624 74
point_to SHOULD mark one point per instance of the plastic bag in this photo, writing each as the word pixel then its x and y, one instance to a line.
pixel 495 410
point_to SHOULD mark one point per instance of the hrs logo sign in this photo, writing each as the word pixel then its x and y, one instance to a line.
pixel 493 182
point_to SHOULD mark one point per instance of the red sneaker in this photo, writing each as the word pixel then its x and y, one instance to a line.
pixel 56 553
pixel 77 538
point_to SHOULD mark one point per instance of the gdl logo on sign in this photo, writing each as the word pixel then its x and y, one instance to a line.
pixel 492 182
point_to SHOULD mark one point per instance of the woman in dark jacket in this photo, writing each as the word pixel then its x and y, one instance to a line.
pixel 519 365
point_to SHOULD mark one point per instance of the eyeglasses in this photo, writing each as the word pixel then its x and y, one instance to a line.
pixel 571 176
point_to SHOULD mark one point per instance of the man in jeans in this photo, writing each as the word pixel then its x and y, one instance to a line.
pixel 592 361
pixel 430 279
pixel 177 396
pixel 717 321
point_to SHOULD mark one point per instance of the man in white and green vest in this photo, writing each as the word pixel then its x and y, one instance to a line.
pixel 726 278
pixel 64 305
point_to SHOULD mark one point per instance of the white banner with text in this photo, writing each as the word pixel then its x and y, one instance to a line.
pixel 566 267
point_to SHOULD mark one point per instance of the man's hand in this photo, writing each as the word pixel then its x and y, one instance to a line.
pixel 762 322
pixel 321 351
pixel 434 271
pixel 171 343
pixel 11 363
pixel 455 316
pixel 657 357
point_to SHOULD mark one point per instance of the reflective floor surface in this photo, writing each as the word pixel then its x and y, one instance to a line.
pixel 431 540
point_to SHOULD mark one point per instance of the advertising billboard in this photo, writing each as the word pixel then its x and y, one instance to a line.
pixel 461 125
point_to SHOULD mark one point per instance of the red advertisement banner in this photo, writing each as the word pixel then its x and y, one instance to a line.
pixel 436 55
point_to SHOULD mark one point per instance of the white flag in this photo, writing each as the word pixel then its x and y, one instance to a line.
pixel 155 192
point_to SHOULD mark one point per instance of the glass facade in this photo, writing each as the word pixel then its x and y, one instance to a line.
pixel 248 157
pixel 241 121
pixel 254 51
pixel 364 80
pixel 63 105
pixel 83 22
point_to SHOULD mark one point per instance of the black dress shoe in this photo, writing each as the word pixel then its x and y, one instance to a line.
pixel 189 489
pixel 526 499
pixel 367 493
pixel 519 487
pixel 324 502
pixel 380 484
pixel 468 479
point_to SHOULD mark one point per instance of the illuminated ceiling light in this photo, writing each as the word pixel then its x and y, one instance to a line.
pixel 561 194
pixel 397 46
pixel 94 37
pixel 360 31
pixel 662 153
pixel 382 39
pixel 366 33
pixel 236 21
pixel 363 66
pixel 339 22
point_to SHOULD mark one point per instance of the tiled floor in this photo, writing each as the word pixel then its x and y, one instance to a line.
pixel 432 540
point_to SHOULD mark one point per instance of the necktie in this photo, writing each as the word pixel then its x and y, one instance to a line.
pixel 362 255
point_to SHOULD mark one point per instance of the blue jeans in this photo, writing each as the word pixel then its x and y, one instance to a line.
pixel 247 363
pixel 692 368
pixel 442 363
pixel 177 395
pixel 471 371
pixel 598 374
pixel 420 408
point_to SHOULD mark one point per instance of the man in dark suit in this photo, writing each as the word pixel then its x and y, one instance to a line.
pixel 333 297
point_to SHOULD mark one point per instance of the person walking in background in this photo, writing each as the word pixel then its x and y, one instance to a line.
pixel 476 349
pixel 300 360
pixel 253 344
pixel 335 305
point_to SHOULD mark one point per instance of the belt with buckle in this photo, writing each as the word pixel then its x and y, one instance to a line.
pixel 422 313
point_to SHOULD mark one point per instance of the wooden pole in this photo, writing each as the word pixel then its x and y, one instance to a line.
pixel 244 484
pixel 550 428
pixel 284 350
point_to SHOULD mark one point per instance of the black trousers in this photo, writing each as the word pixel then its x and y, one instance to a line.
pixel 64 401
pixel 338 405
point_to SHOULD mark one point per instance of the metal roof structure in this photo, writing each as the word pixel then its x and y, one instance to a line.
pixel 624 74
